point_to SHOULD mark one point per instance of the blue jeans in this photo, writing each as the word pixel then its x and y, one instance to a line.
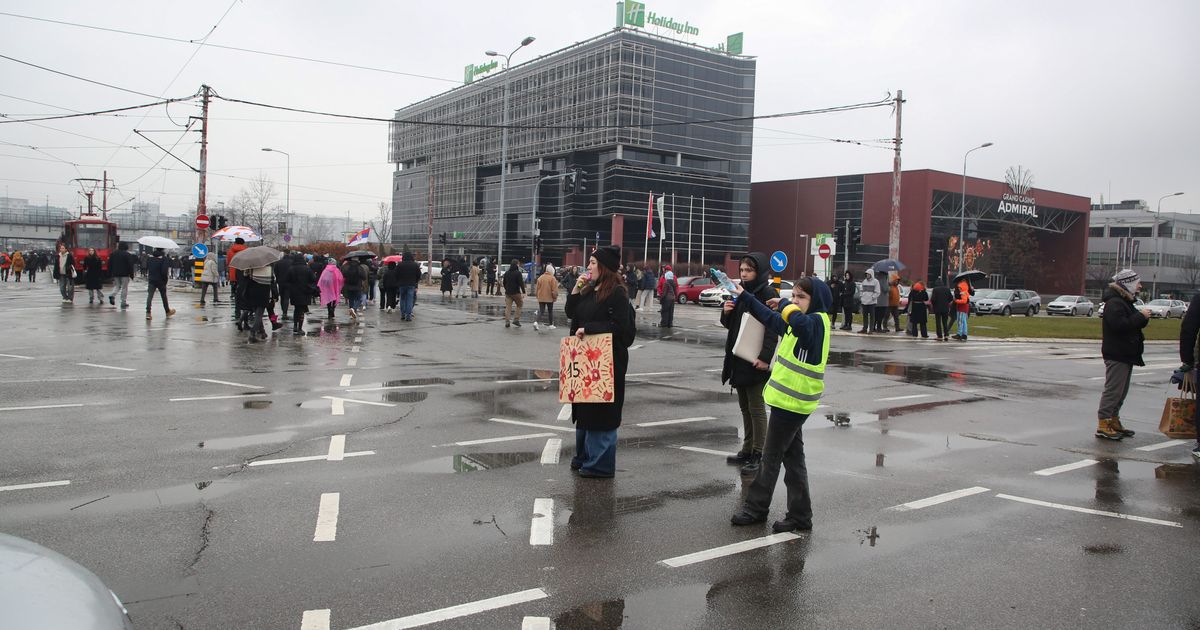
pixel 408 295
pixel 596 451
pixel 962 324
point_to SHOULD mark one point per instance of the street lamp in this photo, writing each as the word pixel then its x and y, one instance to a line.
pixel 504 141
pixel 962 211
pixel 941 263
pixel 1158 245
pixel 288 194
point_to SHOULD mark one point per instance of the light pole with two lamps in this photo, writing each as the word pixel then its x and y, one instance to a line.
pixel 504 143
pixel 1158 244
pixel 288 191
pixel 962 218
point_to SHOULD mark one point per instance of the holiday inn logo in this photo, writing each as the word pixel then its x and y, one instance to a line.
pixel 471 70
pixel 635 13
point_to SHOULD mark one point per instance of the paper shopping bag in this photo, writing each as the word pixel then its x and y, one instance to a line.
pixel 585 369
pixel 1178 418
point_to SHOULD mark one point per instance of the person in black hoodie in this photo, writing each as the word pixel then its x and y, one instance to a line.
pixel 409 272
pixel 389 287
pixel 1121 347
pixel 120 265
pixel 514 292
pixel 302 285
pixel 283 271
pixel 157 272
pixel 835 287
pixel 746 377
pixel 848 306
pixel 599 304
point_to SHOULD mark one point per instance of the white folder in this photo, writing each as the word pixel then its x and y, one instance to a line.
pixel 749 343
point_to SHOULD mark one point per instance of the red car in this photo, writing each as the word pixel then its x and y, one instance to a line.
pixel 691 286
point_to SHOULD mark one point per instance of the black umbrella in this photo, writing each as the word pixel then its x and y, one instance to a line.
pixel 888 265
pixel 362 253
pixel 970 275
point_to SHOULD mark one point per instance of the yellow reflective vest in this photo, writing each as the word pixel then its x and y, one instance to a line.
pixel 797 382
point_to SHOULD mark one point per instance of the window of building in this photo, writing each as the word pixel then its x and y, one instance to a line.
pixel 1096 232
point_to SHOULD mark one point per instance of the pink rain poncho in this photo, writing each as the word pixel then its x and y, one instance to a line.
pixel 330 283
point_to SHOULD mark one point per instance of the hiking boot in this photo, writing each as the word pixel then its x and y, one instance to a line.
pixel 788 525
pixel 751 467
pixel 170 312
pixel 1123 430
pixel 746 518
pixel 506 324
pixel 1107 429
pixel 739 459
pixel 517 323
pixel 112 300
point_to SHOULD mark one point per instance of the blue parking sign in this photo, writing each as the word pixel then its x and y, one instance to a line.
pixel 778 262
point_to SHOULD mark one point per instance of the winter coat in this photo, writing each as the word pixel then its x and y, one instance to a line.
pixel 258 287
pixel 649 281
pixel 283 272
pixel 514 281
pixel 93 272
pixel 475 278
pixel 870 291
pixel 351 277
pixel 918 300
pixel 894 294
pixel 807 328
pixel 848 289
pixel 835 287
pixel 448 269
pixel 5 261
pixel 962 303
pixel 302 284
pixel 668 288
pixel 547 288
pixel 157 271
pixel 391 277
pixel 409 272
pixel 233 251
pixel 120 264
pixel 364 277
pixel 210 273
pixel 331 284
pixel 1188 330
pixel 1122 324
pixel 68 265
pixel 737 371
pixel 941 300
pixel 18 263
pixel 613 315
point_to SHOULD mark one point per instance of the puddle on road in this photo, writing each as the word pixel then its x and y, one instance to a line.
pixel 129 501
pixel 462 463
pixel 405 397
pixel 248 440
pixel 256 404
pixel 669 607
pixel 413 382
pixel 1103 549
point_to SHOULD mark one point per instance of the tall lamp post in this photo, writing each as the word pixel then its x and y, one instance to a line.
pixel 962 210
pixel 1158 244
pixel 504 142
pixel 288 194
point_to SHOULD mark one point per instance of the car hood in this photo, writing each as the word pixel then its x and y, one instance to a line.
pixel 1056 303
pixel 991 302
pixel 40 588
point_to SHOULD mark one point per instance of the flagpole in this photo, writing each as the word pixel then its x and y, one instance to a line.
pixel 702 226
pixel 662 228
pixel 691 198
pixel 649 220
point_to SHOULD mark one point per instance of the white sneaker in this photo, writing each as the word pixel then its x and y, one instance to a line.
pixel 535 326
pixel 551 327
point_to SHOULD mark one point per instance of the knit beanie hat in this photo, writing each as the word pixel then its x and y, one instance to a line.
pixel 1128 279
pixel 608 256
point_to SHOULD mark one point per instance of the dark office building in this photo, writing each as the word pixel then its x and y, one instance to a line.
pixel 604 108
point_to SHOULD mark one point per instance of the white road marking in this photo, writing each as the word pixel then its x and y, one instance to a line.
pixel 1054 470
pixel 532 424
pixel 541 530
pixel 225 397
pixel 391 387
pixel 654 374
pixel 354 348
pixel 31 486
pixel 107 367
pixel 715 370
pixel 315 620
pixel 361 402
pixel 940 498
pixel 564 414
pixel 903 397
pixel 40 407
pixel 707 451
pixel 1096 378
pixel 292 460
pixel 660 423
pixel 551 450
pixel 1167 444
pixel 15 356
pixel 358 340
pixel 338 408
pixel 534 623
pixel 327 517
pixel 526 380
pixel 640 345
pixel 337 448
pixel 352 361
pixel 1072 508
pixel 461 610
pixel 209 380
pixel 509 438
pixel 728 550
pixel 345 382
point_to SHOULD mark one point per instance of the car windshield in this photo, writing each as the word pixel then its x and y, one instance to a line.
pixel 1161 302
pixel 1001 295
pixel 1067 298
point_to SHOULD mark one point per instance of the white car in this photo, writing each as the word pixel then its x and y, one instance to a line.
pixel 437 270
pixel 1166 308
pixel 1070 305
pixel 717 296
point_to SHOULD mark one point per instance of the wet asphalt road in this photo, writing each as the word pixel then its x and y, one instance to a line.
pixel 202 470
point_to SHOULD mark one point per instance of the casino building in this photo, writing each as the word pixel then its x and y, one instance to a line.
pixel 605 108
pixel 1022 237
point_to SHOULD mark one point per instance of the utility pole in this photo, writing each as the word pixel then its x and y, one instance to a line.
pixel 104 187
pixel 202 204
pixel 894 229
pixel 429 236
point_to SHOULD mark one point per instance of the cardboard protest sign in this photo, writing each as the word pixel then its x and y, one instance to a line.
pixel 585 369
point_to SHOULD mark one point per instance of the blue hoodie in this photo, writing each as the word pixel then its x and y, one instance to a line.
pixel 807 327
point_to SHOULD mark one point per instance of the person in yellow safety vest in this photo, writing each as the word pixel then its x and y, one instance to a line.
pixel 793 392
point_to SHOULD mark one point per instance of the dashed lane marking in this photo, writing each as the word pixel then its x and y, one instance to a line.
pixel 706 451
pixel 461 610
pixel 338 407
pixel 35 407
pixel 1072 508
pixel 354 348
pixel 107 367
pixel 1167 444
pixel 728 550
pixel 230 383
pixel 345 382
pixel 903 397
pixel 659 423
pixel 225 397
pixel 564 414
pixel 337 448
pixel 352 361
pixel 541 529
pixel 941 498
pixel 507 438
pixel 361 402
pixel 392 387
pixel 638 347
pixel 315 620
pixel 526 380
pixel 40 484
pixel 15 356
pixel 1054 470
pixel 327 517
pixel 532 424
pixel 535 623
pixel 358 340
pixel 551 450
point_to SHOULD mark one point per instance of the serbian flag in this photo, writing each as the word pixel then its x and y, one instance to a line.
pixel 360 238
pixel 650 216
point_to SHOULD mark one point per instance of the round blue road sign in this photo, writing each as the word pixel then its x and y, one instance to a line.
pixel 199 250
pixel 778 262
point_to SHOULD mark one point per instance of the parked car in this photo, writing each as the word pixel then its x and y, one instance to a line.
pixel 979 295
pixel 40 588
pixel 1137 305
pixel 1071 305
pixel 437 270
pixel 690 288
pixel 1007 302
pixel 716 295
pixel 1166 308
pixel 1180 307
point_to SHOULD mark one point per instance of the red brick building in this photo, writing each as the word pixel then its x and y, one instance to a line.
pixel 930 202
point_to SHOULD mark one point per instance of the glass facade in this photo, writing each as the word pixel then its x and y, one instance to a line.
pixel 605 107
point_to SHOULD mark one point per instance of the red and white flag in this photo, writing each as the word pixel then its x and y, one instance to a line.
pixel 650 216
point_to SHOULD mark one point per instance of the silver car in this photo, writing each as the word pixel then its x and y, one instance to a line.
pixel 1070 305
pixel 1166 308
pixel 40 588
pixel 1007 302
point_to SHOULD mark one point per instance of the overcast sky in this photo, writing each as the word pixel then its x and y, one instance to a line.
pixel 1096 98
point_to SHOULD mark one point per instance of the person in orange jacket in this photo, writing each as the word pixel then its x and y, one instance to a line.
pixel 239 244
pixel 962 303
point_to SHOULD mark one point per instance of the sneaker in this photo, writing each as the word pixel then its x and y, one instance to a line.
pixel 517 323
pixel 551 327
pixel 148 317
pixel 788 525
pixel 112 300
pixel 170 312
pixel 1196 454
pixel 752 465
pixel 535 326
pixel 746 518
pixel 739 459
pixel 124 306
pixel 353 315
pixel 506 324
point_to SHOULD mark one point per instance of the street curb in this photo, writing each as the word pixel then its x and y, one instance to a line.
pixel 1002 339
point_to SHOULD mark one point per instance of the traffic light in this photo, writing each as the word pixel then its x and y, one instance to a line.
pixel 855 235
pixel 442 238
pixel 537 243
pixel 580 181
pixel 219 221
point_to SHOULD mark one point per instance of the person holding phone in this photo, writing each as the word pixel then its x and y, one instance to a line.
pixel 748 378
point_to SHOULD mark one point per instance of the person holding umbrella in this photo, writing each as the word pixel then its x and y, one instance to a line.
pixel 157 273
pixel 962 304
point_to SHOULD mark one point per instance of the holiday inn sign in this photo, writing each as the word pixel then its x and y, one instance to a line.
pixel 634 13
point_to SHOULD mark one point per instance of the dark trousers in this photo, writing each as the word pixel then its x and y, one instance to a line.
pixel 868 311
pixel 548 309
pixel 848 313
pixel 880 318
pixel 390 297
pixel 833 314
pixel 894 311
pixel 285 296
pixel 785 446
pixel 943 324
pixel 162 291
pixel 204 287
pixel 667 314
pixel 918 327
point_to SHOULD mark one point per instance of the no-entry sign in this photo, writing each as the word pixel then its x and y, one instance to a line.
pixel 824 251
pixel 201 221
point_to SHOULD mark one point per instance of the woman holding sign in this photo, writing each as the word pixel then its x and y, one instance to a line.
pixel 599 304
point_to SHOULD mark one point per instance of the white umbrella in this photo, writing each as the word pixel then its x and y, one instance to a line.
pixel 235 232
pixel 158 242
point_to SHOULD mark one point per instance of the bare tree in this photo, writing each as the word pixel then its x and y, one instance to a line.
pixel 254 207
pixel 1098 276
pixel 381 224
pixel 318 229
pixel 1191 268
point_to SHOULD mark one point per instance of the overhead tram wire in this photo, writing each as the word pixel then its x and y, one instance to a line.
pixel 9 120
pixel 77 77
